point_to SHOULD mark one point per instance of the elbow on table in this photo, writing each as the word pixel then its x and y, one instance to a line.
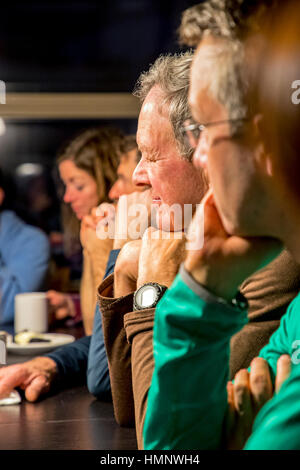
pixel 99 387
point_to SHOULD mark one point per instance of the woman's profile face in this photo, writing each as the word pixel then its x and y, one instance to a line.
pixel 80 188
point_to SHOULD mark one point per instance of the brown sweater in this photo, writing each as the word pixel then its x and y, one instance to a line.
pixel 128 335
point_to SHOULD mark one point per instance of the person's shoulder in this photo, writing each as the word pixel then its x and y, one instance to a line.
pixel 10 224
pixel 292 315
pixel 9 217
pixel 15 227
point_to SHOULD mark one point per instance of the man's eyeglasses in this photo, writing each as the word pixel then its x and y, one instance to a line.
pixel 191 131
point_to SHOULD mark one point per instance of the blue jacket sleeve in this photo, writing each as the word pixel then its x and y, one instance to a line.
pixel 85 360
pixel 110 266
pixel 24 255
pixel 71 361
pixel 97 373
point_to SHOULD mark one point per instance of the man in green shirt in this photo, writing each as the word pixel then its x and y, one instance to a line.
pixel 252 208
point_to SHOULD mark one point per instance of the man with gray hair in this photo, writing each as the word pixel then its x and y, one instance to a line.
pixel 166 169
pixel 245 214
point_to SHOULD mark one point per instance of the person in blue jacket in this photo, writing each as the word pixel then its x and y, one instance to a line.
pixel 24 256
pixel 83 361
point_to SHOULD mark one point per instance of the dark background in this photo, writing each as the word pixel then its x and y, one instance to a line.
pixel 84 45
pixel 71 46
pixel 76 46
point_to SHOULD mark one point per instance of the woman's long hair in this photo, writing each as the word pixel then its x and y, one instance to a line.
pixel 97 152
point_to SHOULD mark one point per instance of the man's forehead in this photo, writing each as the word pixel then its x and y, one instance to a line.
pixel 154 126
pixel 204 107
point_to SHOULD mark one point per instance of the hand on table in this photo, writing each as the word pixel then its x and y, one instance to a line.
pixel 224 261
pixel 61 304
pixel 34 377
pixel 249 392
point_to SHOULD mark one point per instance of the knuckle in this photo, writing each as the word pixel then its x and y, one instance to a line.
pixel 240 389
pixel 257 361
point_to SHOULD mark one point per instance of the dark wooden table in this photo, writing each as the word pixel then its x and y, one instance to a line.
pixel 69 420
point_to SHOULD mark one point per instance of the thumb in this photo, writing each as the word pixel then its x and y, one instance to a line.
pixel 37 387
pixel 283 370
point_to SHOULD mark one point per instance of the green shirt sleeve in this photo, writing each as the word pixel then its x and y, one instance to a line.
pixel 277 426
pixel 285 340
pixel 187 400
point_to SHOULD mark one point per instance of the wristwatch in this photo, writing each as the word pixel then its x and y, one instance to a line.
pixel 148 295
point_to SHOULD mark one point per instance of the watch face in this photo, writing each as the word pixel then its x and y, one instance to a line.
pixel 146 296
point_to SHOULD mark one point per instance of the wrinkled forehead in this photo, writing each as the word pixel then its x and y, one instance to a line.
pixel 154 125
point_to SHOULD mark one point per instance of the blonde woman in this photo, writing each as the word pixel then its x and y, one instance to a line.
pixel 88 169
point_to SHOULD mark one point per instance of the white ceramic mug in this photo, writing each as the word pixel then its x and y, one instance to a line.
pixel 31 312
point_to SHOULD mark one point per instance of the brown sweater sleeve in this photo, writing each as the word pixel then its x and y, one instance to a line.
pixel 128 341
pixel 269 292
pixel 139 331
pixel 118 350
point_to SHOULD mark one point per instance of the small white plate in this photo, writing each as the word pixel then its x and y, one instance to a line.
pixel 56 340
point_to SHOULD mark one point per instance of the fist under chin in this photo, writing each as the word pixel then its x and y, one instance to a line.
pixel 172 218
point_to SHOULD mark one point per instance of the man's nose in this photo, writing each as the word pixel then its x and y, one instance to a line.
pixel 201 152
pixel 115 191
pixel 140 175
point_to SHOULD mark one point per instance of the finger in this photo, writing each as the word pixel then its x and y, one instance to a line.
pixel 51 294
pixel 55 298
pixel 242 400
pixel 260 383
pixel 230 401
pixel 105 210
pixel 243 407
pixel 151 233
pixel 283 371
pixel 212 221
pixel 98 213
pixel 206 222
pixel 94 212
pixel 38 386
pixel 230 393
pixel 231 415
pixel 89 222
pixel 10 378
pixel 61 313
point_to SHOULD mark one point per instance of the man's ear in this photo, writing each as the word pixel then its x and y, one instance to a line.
pixel 262 151
pixel 2 196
